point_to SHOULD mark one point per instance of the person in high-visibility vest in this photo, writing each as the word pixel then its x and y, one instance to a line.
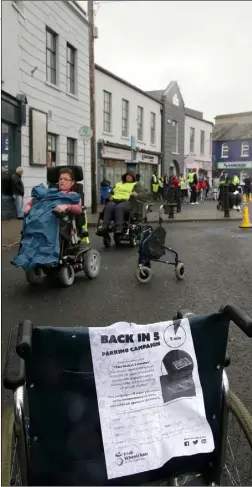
pixel 119 203
pixel 154 185
pixel 160 187
pixel 236 180
pixel 182 186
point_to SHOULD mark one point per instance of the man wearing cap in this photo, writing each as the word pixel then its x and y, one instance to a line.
pixel 119 203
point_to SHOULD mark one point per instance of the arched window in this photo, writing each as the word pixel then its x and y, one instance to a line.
pixel 244 149
pixel 224 150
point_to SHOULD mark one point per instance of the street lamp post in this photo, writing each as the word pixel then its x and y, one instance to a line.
pixel 92 105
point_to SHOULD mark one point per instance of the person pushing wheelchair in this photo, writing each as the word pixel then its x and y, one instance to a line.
pixel 119 204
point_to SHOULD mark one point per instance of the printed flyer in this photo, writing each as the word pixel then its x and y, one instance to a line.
pixel 149 395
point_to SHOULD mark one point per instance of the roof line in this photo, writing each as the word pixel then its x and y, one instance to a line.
pixel 199 119
pixel 126 83
pixel 228 115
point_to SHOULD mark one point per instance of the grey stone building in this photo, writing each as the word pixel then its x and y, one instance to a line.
pixel 173 128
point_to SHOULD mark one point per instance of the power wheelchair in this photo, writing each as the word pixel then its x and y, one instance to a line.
pixel 75 252
pixel 52 434
pixel 132 226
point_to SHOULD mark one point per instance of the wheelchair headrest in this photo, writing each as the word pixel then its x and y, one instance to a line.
pixel 53 173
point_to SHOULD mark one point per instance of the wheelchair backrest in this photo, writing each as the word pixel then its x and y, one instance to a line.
pixel 66 442
pixel 53 177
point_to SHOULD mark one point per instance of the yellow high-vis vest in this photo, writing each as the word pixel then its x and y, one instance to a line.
pixel 122 191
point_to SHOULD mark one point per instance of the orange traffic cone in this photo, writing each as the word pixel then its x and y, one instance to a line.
pixel 246 221
pixel 244 198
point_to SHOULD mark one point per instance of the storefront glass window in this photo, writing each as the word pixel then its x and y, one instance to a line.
pixel 5 133
pixel 6 158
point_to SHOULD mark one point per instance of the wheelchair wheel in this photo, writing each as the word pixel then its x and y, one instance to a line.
pixel 66 275
pixel 11 467
pixel 107 241
pixel 34 276
pixel 143 274
pixel 180 271
pixel 92 263
pixel 237 469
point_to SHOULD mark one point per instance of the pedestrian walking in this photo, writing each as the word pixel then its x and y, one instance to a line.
pixel 193 185
pixel 154 185
pixel 247 187
pixel 18 192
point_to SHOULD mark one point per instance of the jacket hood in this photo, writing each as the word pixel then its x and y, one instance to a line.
pixel 131 173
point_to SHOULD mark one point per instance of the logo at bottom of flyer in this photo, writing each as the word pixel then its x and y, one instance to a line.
pixel 129 457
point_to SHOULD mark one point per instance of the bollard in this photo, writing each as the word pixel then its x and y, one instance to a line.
pixel 226 201
pixel 246 220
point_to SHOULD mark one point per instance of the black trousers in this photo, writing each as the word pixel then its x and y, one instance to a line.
pixel 116 212
pixel 193 194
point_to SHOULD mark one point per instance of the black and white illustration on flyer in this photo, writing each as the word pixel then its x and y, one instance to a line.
pixel 149 395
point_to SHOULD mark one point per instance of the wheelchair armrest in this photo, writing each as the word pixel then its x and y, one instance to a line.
pixel 12 380
pixel 24 339
pixel 235 314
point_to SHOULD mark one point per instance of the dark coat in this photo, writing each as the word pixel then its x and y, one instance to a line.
pixel 17 185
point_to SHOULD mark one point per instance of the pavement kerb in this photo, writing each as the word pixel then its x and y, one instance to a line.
pixel 15 243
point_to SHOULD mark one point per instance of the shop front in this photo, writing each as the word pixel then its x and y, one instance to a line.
pixel 147 164
pixel 10 150
pixel 203 167
pixel 242 169
pixel 112 163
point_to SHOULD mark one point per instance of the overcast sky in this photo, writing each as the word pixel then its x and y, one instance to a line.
pixel 205 46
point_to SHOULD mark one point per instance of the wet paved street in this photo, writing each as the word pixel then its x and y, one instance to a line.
pixel 218 268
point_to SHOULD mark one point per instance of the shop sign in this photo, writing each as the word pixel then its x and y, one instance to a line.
pixel 115 153
pixel 235 165
pixel 147 158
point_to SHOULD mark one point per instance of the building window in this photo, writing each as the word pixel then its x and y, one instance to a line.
pixel 244 149
pixel 202 142
pixel 174 137
pixel 153 128
pixel 192 139
pixel 139 123
pixel 71 62
pixel 71 151
pixel 51 150
pixel 210 144
pixel 224 150
pixel 125 118
pixel 107 103
pixel 51 53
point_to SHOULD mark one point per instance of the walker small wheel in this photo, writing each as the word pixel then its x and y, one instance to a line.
pixel 92 263
pixel 66 275
pixel 143 274
pixel 180 271
pixel 107 241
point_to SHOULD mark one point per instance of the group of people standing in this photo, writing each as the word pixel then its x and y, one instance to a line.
pixel 235 189
pixel 160 187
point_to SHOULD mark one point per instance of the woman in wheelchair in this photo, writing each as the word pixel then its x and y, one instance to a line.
pixel 66 185
pixel 119 204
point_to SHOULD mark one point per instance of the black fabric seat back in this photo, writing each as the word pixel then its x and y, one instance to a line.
pixel 53 173
pixel 66 442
